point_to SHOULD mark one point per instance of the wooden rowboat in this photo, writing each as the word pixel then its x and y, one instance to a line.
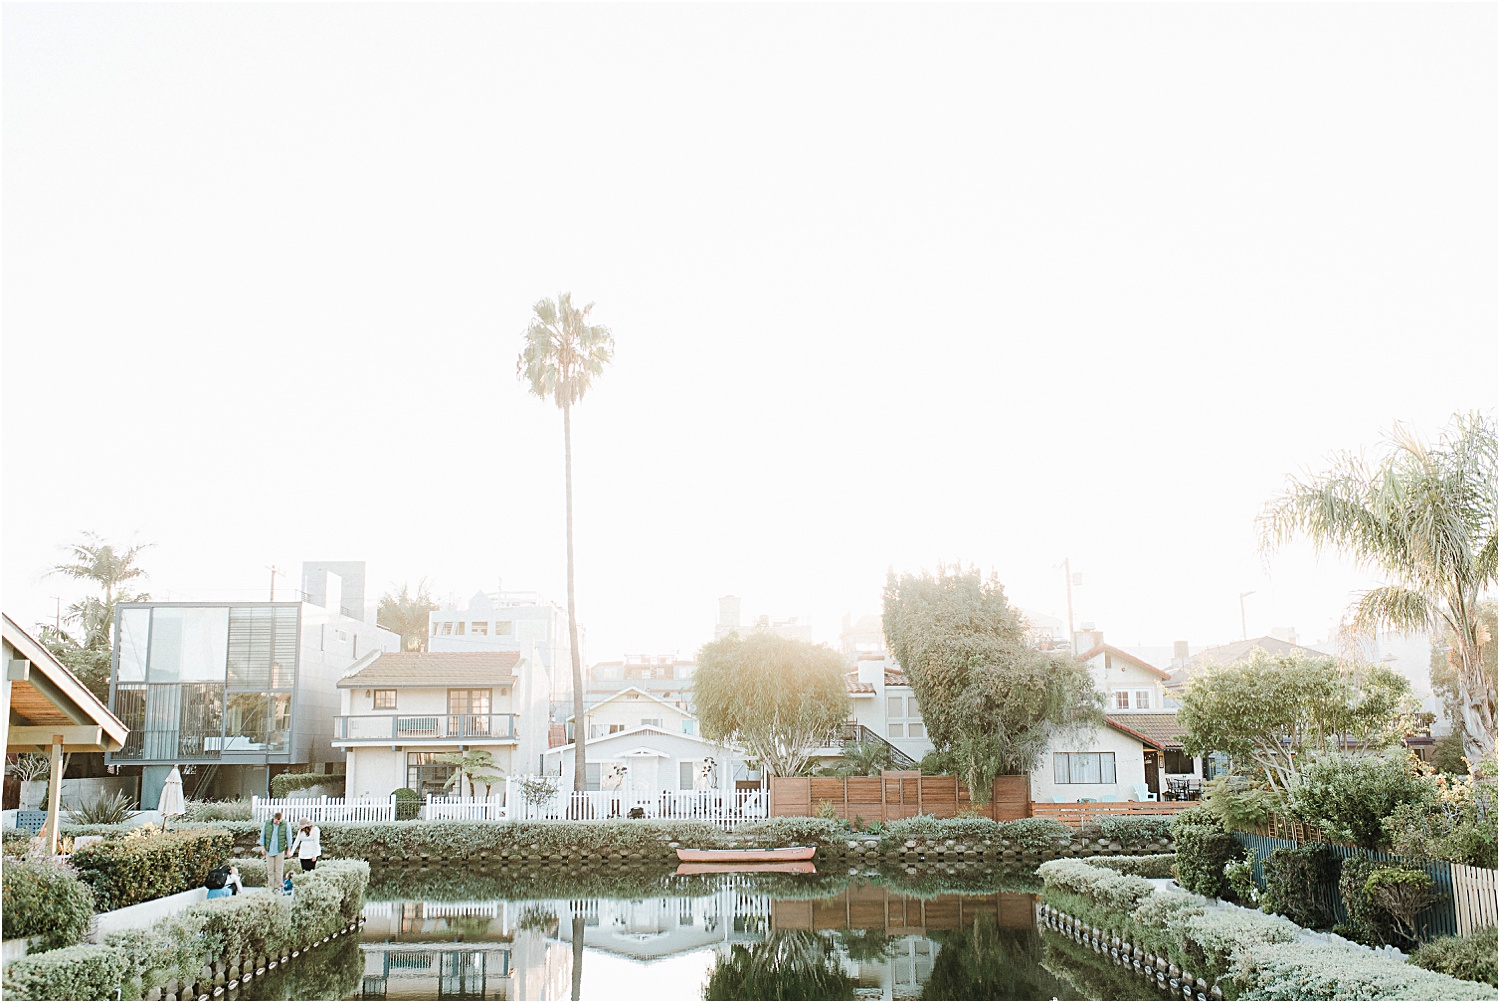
pixel 784 867
pixel 782 853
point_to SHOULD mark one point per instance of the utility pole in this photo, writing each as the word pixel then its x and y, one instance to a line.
pixel 1072 638
pixel 274 572
pixel 1244 634
pixel 57 620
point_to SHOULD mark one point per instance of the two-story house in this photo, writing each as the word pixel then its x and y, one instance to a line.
pixel 401 711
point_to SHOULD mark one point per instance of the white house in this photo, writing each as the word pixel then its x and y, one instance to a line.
pixel 881 699
pixel 633 707
pixel 648 759
pixel 401 711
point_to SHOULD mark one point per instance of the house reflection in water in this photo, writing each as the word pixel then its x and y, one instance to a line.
pixel 522 950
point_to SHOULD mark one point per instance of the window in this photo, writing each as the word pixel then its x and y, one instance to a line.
pixel 385 699
pixel 479 628
pixel 687 774
pixel 458 628
pixel 687 726
pixel 447 628
pixel 468 712
pixel 897 729
pixel 904 718
pixel 654 722
pixel 134 626
pixel 425 775
pixel 916 729
pixel 504 627
pixel 591 776
pixel 1142 699
pixel 1179 762
pixel 616 727
pixel 1083 767
pixel 893 708
pixel 1122 699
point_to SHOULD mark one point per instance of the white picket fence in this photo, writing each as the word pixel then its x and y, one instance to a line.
pixel 721 808
pixel 487 809
pixel 325 809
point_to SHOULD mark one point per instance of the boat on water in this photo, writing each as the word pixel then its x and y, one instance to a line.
pixel 779 854
pixel 782 867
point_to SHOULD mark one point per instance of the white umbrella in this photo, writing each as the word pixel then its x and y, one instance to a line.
pixel 171 801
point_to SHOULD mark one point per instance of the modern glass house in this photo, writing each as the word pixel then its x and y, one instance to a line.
pixel 232 692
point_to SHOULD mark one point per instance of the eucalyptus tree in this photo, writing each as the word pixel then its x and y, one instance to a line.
pixel 1423 517
pixel 562 355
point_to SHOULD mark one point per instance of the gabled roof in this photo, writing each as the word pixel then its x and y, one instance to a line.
pixel 1238 651
pixel 404 669
pixel 1100 649
pixel 639 731
pixel 1118 726
pixel 52 700
pixel 635 689
pixel 1159 726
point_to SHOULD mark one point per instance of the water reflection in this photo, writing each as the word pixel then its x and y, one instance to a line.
pixel 730 937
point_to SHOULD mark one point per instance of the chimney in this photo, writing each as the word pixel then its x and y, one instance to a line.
pixel 1179 654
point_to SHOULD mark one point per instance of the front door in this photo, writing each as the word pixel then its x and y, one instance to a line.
pixel 1153 781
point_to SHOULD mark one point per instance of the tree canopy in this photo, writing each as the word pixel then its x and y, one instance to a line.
pixel 1424 517
pixel 111 570
pixel 990 702
pixel 406 614
pixel 775 697
pixel 1278 711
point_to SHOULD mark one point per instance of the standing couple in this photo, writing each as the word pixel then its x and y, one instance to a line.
pixel 277 843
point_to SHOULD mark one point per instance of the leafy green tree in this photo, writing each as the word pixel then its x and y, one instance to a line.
pixel 406 614
pixel 775 697
pixel 1274 712
pixel 1424 517
pixel 560 360
pixel 112 570
pixel 1348 797
pixel 989 701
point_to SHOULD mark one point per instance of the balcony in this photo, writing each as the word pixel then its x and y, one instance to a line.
pixel 471 728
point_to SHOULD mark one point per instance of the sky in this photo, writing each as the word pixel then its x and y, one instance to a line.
pixel 890 286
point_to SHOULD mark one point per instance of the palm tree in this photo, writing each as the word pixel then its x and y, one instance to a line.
pixel 99 562
pixel 1424 517
pixel 562 355
pixel 406 614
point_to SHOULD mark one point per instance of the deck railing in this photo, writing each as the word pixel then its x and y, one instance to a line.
pixel 425 727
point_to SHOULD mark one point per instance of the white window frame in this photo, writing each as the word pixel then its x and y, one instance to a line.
pixel 1067 765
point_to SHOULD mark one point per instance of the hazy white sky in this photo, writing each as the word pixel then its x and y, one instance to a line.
pixel 890 285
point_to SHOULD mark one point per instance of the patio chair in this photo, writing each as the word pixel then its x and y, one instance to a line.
pixel 1109 797
pixel 1143 794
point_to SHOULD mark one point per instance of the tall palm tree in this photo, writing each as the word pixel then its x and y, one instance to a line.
pixel 406 614
pixel 1424 517
pixel 99 562
pixel 562 355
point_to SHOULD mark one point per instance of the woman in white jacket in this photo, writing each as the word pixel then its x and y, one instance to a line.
pixel 306 846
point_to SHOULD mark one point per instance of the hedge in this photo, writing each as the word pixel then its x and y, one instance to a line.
pixel 1328 972
pixel 148 864
pixel 236 929
pixel 1203 849
pixel 1472 957
pixel 1029 835
pixel 285 784
pixel 1151 865
pixel 45 898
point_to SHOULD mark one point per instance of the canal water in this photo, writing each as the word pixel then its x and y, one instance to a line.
pixel 456 934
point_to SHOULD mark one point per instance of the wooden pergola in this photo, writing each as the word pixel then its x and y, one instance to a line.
pixel 49 711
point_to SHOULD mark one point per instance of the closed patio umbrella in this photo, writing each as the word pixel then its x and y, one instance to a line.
pixel 171 801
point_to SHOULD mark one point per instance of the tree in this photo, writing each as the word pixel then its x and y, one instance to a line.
pixel 406 614
pixel 562 356
pixel 99 563
pixel 990 702
pixel 1424 517
pixel 786 965
pixel 863 759
pixel 1275 712
pixel 775 697
pixel 1444 669
pixel 475 766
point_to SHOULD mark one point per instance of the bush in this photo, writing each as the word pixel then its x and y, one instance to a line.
pixel 1129 830
pixel 408 803
pixel 44 898
pixel 283 785
pixel 327 899
pixel 1298 971
pixel 1030 835
pixel 218 811
pixel 1151 865
pixel 454 839
pixel 1368 923
pixel 148 864
pixel 1203 850
pixel 1239 876
pixel 1239 803
pixel 1471 958
pixel 1294 882
pixel 1428 831
pixel 1347 797
pixel 85 972
pixel 170 949
pixel 252 870
pixel 1109 890
pixel 105 808
pixel 244 926
pixel 1401 893
pixel 793 831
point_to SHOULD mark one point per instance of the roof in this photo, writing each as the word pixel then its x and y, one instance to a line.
pixel 51 700
pixel 1145 740
pixel 1100 649
pixel 393 669
pixel 1237 651
pixel 1158 727
pixel 634 689
pixel 637 733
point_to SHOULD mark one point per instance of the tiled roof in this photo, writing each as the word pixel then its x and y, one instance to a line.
pixel 1119 726
pixel 896 677
pixel 1161 729
pixel 1236 651
pixel 1118 653
pixel 435 668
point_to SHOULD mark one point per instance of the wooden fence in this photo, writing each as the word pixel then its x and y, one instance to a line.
pixel 896 794
pixel 878 909
pixel 1076 814
pixel 1475 899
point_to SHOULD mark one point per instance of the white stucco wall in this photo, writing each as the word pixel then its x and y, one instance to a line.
pixel 1130 768
pixel 660 769
pixel 631 710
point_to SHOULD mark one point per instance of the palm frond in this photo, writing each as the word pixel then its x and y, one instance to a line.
pixel 1395 608
pixel 562 353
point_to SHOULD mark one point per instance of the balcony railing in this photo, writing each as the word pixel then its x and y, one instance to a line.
pixel 425 727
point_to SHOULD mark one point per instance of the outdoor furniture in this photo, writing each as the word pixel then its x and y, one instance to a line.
pixel 1110 797
pixel 1143 794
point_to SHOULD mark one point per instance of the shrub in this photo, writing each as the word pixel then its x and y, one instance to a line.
pixel 105 808
pixel 1151 865
pixel 1472 958
pixel 44 898
pixel 218 811
pixel 252 870
pixel 1109 890
pixel 1347 797
pixel 85 972
pixel 452 839
pixel 1300 971
pixel 1034 835
pixel 326 899
pixel 1368 923
pixel 1294 882
pixel 171 949
pixel 1427 831
pixel 1239 875
pixel 283 785
pixel 1030 835
pixel 1239 803
pixel 244 926
pixel 1401 893
pixel 1210 941
pixel 147 864
pixel 408 803
pixel 794 831
pixel 1129 830
pixel 1203 850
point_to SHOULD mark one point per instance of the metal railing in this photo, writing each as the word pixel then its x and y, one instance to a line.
pixel 424 727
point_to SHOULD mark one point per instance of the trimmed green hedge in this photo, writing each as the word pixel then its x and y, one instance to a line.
pixel 1151 865
pixel 285 784
pixel 85 972
pixel 1293 879
pixel 45 898
pixel 459 839
pixel 1327 972
pixel 1472 957
pixel 1203 849
pixel 1029 835
pixel 148 864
